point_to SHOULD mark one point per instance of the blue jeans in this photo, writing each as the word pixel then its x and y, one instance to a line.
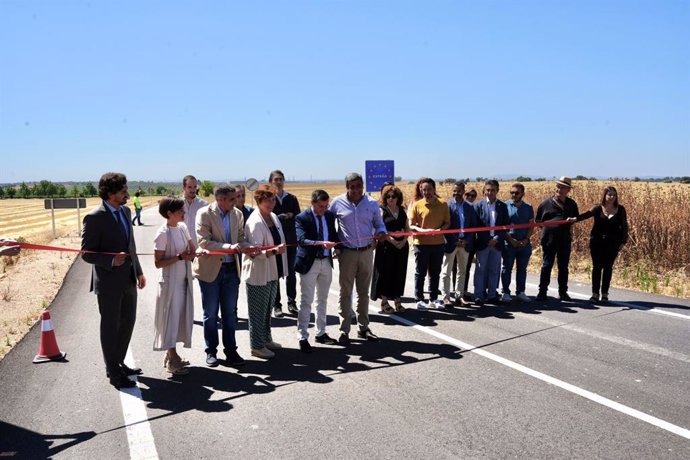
pixel 519 256
pixel 487 272
pixel 223 292
pixel 560 249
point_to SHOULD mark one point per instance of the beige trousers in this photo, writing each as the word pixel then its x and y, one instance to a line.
pixel 356 270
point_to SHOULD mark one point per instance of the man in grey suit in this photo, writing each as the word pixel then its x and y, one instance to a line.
pixel 108 238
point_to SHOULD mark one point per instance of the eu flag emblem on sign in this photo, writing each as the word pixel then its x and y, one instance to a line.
pixel 378 173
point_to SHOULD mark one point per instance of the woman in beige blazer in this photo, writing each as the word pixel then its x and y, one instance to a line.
pixel 262 268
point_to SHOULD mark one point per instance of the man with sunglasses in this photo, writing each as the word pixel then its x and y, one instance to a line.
pixel 556 240
pixel 517 248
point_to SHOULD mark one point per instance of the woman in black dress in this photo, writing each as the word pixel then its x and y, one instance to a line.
pixel 390 261
pixel 609 235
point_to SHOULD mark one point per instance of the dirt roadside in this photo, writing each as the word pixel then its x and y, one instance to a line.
pixel 28 284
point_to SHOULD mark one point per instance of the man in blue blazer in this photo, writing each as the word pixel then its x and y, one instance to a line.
pixel 108 238
pixel 458 245
pixel 489 244
pixel 316 237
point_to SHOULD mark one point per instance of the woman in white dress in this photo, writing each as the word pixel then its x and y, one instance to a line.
pixel 174 251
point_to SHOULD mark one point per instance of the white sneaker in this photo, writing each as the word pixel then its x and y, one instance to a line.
pixel 437 304
pixel 421 305
pixel 273 345
pixel 264 353
pixel 506 297
pixel 522 297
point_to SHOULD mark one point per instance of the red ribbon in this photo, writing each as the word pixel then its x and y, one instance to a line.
pixel 223 252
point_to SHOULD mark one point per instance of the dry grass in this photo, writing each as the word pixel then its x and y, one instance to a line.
pixel 657 256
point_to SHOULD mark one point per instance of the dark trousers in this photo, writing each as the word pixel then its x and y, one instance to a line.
pixel 118 311
pixel 290 279
pixel 557 250
pixel 428 259
pixel 603 257
pixel 467 271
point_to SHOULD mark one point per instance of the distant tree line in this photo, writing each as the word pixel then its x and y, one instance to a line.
pixel 48 189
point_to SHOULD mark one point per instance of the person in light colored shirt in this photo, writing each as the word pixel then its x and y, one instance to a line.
pixel 359 224
pixel 192 204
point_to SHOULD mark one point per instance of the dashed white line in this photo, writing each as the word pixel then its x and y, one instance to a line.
pixel 139 435
pixel 623 304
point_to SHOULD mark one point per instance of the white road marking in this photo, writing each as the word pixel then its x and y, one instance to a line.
pixel 646 347
pixel 659 423
pixel 139 435
pixel 622 304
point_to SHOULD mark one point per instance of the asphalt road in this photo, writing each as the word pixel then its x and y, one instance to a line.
pixel 528 381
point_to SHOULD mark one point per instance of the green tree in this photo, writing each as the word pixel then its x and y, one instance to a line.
pixel 206 187
pixel 89 190
pixel 523 179
pixel 397 179
pixel 11 192
pixel 24 190
pixel 74 192
pixel 61 190
pixel 2 192
pixel 161 190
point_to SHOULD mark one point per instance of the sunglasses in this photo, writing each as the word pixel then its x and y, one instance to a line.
pixel 471 195
pixel 515 193
pixel 391 196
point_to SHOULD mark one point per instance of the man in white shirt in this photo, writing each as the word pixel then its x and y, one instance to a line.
pixel 192 204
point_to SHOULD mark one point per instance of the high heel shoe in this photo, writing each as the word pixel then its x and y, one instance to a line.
pixel 182 360
pixel 176 367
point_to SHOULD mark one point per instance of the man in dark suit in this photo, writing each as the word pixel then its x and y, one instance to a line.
pixel 316 236
pixel 458 245
pixel 108 237
pixel 489 244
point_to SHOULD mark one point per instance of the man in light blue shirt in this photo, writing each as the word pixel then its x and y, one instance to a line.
pixel 359 223
pixel 517 248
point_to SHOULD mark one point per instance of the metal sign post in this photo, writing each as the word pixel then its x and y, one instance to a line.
pixel 64 203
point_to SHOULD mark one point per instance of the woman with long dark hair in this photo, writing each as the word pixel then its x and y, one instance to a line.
pixel 390 261
pixel 608 236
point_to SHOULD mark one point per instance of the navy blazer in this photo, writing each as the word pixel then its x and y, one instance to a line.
pixel 471 220
pixel 101 233
pixel 305 226
pixel 481 207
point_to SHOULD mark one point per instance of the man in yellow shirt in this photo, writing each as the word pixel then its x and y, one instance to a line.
pixel 137 208
pixel 427 215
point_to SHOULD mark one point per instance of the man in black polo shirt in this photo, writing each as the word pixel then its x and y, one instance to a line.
pixel 556 240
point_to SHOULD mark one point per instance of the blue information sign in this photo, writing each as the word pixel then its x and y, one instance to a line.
pixel 378 173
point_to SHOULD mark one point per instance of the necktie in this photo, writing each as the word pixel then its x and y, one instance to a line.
pixel 123 225
pixel 319 228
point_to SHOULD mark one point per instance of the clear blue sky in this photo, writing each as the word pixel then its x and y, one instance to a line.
pixel 228 90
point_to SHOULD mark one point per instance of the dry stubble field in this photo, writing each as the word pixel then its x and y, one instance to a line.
pixel 656 259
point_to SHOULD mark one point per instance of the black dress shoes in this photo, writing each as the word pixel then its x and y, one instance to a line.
pixel 130 370
pixel 326 340
pixel 121 381
pixel 565 297
pixel 368 335
pixel 292 308
pixel 304 346
pixel 233 358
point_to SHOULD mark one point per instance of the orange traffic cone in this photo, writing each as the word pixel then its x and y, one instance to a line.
pixel 48 350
